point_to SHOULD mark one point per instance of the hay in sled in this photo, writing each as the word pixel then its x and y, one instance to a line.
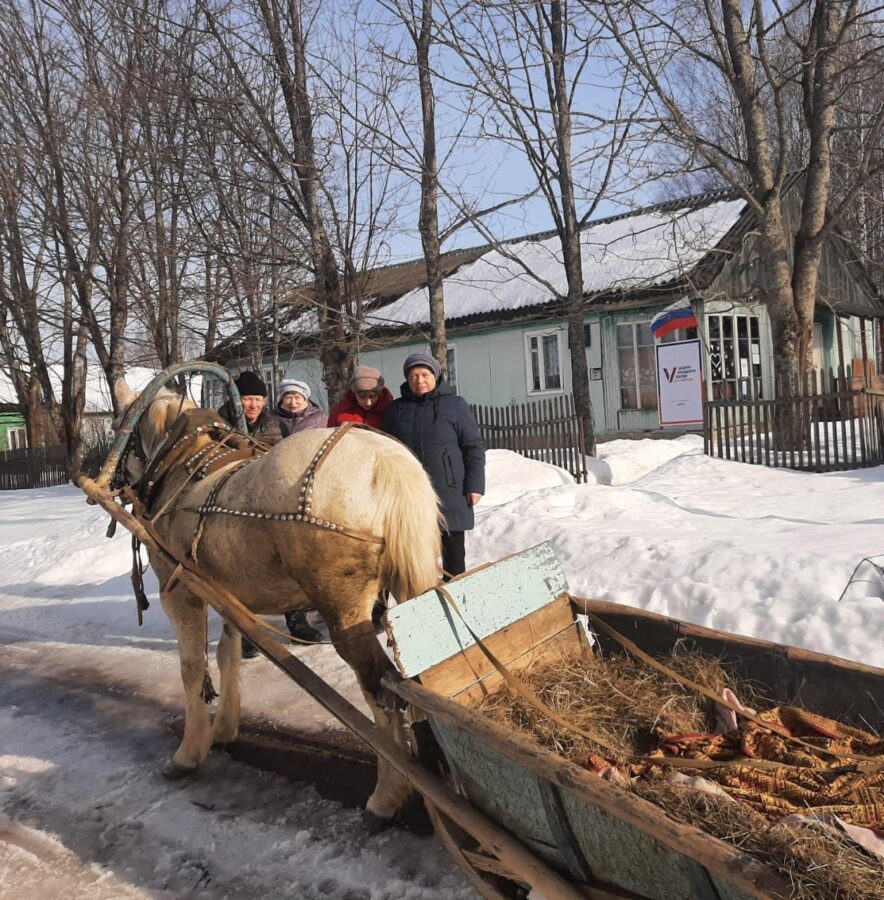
pixel 641 712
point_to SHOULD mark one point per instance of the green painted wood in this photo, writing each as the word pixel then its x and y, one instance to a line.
pixel 502 788
pixel 627 857
pixel 615 852
pixel 425 631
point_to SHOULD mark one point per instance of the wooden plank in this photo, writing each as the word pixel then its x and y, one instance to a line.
pixel 469 675
pixel 426 630
pixel 632 859
pixel 452 839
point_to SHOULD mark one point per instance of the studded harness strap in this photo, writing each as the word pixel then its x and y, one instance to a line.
pixel 304 512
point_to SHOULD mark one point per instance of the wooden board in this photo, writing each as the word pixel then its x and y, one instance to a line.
pixel 425 631
pixel 469 675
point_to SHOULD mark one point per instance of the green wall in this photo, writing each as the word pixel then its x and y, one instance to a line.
pixel 8 421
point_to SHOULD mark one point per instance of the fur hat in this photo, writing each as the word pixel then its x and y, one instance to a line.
pixel 425 360
pixel 365 378
pixel 290 386
pixel 249 384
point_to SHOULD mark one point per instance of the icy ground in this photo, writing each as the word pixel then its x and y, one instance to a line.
pixel 86 697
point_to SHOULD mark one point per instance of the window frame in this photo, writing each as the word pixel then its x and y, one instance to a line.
pixel 634 326
pixel 541 333
pixel 451 356
pixel 17 438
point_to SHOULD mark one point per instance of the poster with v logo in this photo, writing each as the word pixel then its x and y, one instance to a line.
pixel 680 383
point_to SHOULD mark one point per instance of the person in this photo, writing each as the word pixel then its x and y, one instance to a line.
pixel 266 428
pixel 295 410
pixel 366 402
pixel 442 432
pixel 262 426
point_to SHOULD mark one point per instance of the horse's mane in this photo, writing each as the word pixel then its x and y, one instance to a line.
pixel 165 408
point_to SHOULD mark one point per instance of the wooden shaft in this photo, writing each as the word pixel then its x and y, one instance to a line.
pixel 99 495
pixel 521 861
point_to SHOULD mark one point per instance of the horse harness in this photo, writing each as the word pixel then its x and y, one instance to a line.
pixel 230 451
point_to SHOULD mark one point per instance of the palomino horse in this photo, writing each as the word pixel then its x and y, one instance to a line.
pixel 378 530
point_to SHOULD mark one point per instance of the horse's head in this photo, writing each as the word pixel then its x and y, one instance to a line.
pixel 151 427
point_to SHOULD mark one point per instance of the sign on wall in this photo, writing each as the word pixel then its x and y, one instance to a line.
pixel 680 383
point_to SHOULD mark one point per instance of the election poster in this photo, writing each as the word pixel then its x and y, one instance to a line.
pixel 680 383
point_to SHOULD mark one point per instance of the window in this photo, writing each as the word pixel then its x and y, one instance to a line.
pixel 638 366
pixel 544 361
pixel 734 356
pixel 17 439
pixel 587 335
pixel 451 362
pixel 271 386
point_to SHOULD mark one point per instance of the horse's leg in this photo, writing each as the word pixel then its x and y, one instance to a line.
pixel 188 615
pixel 226 725
pixel 352 633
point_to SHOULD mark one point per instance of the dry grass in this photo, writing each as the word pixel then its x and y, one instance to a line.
pixel 620 699
pixel 820 864
pixel 627 704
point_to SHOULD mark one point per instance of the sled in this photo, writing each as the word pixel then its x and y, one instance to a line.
pixel 608 842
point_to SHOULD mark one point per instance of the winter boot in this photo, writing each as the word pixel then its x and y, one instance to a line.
pixel 300 628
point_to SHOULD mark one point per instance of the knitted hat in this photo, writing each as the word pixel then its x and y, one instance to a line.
pixel 290 385
pixel 250 385
pixel 422 359
pixel 365 378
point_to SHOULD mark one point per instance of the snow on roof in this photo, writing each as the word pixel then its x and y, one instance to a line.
pixel 625 253
pixel 98 397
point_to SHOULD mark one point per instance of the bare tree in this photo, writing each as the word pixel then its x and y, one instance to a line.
pixel 419 22
pixel 38 323
pixel 527 62
pixel 782 68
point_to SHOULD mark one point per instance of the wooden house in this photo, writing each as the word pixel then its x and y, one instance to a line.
pixel 507 345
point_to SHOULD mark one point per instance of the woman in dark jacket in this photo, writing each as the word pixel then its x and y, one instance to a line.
pixel 441 431
pixel 295 410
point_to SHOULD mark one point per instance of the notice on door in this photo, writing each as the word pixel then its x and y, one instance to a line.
pixel 680 383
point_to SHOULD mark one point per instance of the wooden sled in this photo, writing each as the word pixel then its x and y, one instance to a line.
pixel 608 842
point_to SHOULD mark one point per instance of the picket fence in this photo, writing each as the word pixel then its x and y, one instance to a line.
pixel 547 430
pixel 33 467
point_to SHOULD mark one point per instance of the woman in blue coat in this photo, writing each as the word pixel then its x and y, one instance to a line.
pixel 442 432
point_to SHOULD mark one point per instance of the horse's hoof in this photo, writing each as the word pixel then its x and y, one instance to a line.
pixel 225 738
pixel 174 772
pixel 375 824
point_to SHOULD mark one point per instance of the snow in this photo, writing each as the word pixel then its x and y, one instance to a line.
pixel 86 696
pixel 635 251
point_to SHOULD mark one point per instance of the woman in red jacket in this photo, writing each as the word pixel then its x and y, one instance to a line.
pixel 367 400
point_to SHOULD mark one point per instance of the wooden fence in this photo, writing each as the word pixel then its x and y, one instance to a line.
pixel 33 467
pixel 547 430
pixel 836 423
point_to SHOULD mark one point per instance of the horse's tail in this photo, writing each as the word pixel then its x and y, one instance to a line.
pixel 410 519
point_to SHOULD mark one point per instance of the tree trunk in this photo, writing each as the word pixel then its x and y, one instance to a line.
pixel 570 236
pixel 429 215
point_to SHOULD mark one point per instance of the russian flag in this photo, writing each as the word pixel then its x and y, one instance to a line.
pixel 671 318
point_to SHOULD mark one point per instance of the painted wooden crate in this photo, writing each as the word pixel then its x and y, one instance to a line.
pixel 607 840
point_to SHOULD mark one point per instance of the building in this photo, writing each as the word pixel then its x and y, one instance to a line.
pixel 12 427
pixel 507 346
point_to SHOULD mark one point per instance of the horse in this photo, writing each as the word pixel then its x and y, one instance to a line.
pixel 373 527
